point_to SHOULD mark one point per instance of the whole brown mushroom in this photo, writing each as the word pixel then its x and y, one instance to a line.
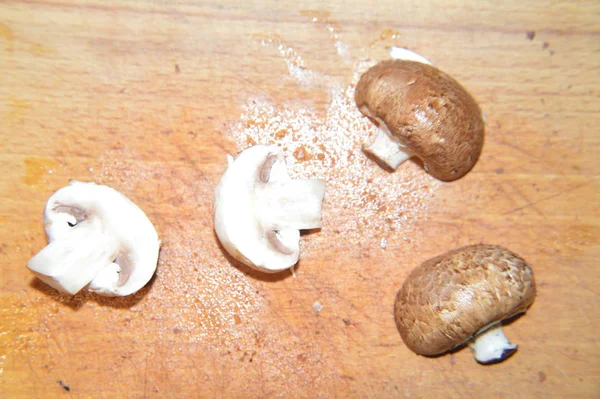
pixel 462 297
pixel 422 112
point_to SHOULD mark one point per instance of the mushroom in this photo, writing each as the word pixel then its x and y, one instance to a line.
pixel 401 53
pixel 421 112
pixel 259 209
pixel 96 237
pixel 462 297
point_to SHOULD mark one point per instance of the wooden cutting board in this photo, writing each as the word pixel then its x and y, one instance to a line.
pixel 149 97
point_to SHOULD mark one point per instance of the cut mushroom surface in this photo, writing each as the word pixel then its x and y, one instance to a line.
pixel 421 112
pixel 462 297
pixel 401 53
pixel 259 209
pixel 97 238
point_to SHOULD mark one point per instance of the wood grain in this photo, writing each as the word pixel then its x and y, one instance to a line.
pixel 149 97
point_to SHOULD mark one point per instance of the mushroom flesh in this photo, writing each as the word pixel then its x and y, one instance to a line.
pixel 96 237
pixel 421 112
pixel 462 297
pixel 401 53
pixel 259 209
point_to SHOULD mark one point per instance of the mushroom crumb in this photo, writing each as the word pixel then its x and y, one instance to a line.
pixel 462 297
pixel 259 209
pixel 97 238
pixel 422 112
pixel 317 307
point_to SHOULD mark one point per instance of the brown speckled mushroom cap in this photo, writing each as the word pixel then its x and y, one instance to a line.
pixel 427 111
pixel 450 298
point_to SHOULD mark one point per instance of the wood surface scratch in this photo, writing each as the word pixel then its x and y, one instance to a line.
pixel 542 200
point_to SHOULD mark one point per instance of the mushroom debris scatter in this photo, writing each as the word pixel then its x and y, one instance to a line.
pixel 361 198
pixel 326 144
pixel 333 27
pixel 383 243
pixel 317 307
pixel 300 74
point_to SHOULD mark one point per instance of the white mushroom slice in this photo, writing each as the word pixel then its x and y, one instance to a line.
pixel 401 53
pixel 98 237
pixel 259 209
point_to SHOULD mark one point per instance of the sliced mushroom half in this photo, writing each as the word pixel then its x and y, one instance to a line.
pixel 97 238
pixel 259 209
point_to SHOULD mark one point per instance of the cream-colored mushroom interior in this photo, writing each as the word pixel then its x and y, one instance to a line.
pixel 125 263
pixel 385 147
pixel 77 214
pixel 74 216
pixel 286 206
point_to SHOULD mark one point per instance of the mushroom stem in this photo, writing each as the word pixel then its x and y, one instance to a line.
pixel 492 346
pixel 70 264
pixel 386 149
pixel 292 204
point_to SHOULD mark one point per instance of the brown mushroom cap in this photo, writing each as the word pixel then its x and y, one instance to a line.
pixel 427 111
pixel 450 298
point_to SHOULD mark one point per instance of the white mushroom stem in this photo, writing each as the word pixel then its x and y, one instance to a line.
pixel 492 346
pixel 386 149
pixel 295 204
pixel 284 207
pixel 69 265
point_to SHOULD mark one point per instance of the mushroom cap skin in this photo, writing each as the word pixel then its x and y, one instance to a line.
pixel 96 237
pixel 427 111
pixel 452 297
